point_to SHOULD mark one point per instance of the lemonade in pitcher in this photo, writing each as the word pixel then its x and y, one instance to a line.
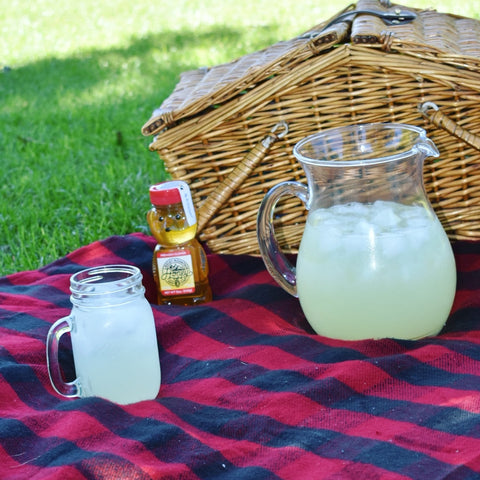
pixel 376 270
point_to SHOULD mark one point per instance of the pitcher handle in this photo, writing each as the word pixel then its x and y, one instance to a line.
pixel 59 328
pixel 275 260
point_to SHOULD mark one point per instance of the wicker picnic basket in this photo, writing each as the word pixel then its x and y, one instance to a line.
pixel 229 130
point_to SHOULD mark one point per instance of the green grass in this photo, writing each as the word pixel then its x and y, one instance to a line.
pixel 77 82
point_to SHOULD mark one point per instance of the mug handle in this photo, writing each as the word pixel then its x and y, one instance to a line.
pixel 279 267
pixel 66 389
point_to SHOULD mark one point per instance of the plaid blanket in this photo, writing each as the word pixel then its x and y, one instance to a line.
pixel 248 392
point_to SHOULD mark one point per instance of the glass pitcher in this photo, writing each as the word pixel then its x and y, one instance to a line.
pixel 374 260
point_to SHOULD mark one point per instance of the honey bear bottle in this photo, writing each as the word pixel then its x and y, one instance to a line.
pixel 179 262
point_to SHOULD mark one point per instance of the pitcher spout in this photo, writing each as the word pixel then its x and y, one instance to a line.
pixel 427 147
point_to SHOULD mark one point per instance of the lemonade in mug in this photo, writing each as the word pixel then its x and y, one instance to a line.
pixel 374 260
pixel 113 335
pixel 116 354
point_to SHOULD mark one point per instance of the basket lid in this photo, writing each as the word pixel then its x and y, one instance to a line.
pixel 375 23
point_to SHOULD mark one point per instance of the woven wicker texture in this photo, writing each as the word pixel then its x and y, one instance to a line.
pixel 215 129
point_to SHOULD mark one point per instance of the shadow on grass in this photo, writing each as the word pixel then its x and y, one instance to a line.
pixel 119 87
pixel 71 144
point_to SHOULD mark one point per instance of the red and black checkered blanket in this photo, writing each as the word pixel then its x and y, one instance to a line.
pixel 248 392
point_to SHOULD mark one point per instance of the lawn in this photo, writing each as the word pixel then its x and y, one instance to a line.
pixel 77 82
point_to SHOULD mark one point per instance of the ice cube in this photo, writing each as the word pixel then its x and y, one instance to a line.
pixel 319 217
pixel 385 218
pixel 328 240
pixel 356 245
pixel 419 234
pixel 354 208
pixel 363 227
pixel 392 245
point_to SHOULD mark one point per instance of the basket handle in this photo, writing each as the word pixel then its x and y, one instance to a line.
pixel 238 175
pixel 440 120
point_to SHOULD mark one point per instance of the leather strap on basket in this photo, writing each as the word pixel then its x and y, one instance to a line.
pixel 238 175
pixel 431 111
pixel 396 17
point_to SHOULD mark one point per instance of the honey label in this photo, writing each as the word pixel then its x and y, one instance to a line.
pixel 175 272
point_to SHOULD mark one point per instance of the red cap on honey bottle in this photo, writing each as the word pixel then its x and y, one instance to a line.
pixel 171 192
pixel 165 193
